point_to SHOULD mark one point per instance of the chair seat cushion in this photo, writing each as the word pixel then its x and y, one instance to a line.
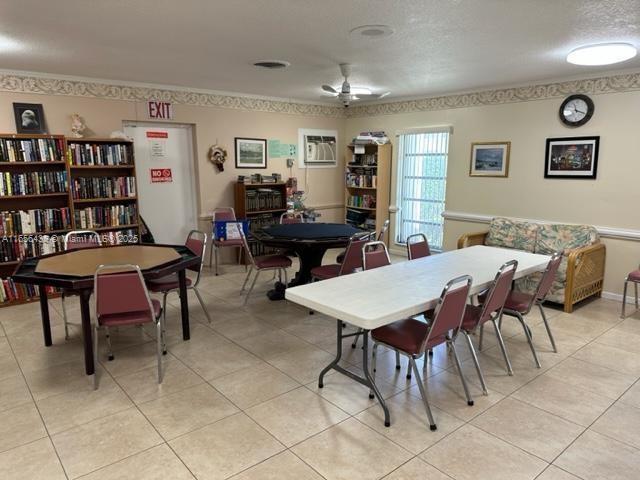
pixel 131 318
pixel 634 276
pixel 273 261
pixel 324 272
pixel 162 284
pixel 406 335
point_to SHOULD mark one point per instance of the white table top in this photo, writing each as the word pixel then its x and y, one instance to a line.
pixel 383 295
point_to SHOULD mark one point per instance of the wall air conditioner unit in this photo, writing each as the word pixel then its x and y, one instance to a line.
pixel 320 150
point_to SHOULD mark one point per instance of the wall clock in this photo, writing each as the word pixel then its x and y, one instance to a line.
pixel 576 110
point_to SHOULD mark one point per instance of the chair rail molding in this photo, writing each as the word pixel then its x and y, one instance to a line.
pixel 604 232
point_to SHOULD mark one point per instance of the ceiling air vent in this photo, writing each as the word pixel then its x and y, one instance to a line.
pixel 272 64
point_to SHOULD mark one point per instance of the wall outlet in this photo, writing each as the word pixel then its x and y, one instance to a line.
pixel 289 162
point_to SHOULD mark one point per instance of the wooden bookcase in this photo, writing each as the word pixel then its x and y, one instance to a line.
pixel 63 163
pixel 367 186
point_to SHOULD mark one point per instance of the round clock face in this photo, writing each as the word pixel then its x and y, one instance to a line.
pixel 576 110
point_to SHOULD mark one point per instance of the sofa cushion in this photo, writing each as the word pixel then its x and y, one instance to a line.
pixel 507 233
pixel 556 237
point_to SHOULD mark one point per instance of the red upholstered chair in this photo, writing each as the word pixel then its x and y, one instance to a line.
pixel 197 243
pixel 417 246
pixel 379 237
pixel 375 255
pixel 272 263
pixel 490 311
pixel 219 215
pixel 76 240
pixel 289 218
pixel 122 299
pixel 413 338
pixel 633 277
pixel 519 304
pixel 352 260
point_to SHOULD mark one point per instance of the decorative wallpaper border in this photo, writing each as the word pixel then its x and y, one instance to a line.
pixel 610 84
pixel 111 91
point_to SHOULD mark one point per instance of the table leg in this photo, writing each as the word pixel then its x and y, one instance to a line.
pixel 309 259
pixel 367 381
pixel 85 313
pixel 184 304
pixel 44 313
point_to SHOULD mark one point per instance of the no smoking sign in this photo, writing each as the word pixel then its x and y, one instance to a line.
pixel 161 175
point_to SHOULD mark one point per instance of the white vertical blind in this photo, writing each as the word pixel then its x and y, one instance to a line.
pixel 422 175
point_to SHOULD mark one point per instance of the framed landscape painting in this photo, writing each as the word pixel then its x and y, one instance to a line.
pixel 490 159
pixel 251 152
pixel 572 157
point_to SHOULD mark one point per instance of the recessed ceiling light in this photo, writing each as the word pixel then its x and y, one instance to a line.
pixel 372 31
pixel 272 64
pixel 602 54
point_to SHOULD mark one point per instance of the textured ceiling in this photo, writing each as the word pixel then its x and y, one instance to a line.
pixel 439 46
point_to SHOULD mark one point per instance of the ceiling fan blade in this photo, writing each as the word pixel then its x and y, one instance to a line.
pixel 330 89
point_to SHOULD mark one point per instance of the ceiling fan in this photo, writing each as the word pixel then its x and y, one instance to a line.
pixel 347 94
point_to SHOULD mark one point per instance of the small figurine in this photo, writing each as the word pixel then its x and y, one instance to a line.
pixel 217 156
pixel 77 125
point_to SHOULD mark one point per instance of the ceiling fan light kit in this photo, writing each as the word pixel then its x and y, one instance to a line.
pixel 346 93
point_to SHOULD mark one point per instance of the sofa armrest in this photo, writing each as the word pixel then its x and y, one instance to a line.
pixel 470 239
pixel 585 273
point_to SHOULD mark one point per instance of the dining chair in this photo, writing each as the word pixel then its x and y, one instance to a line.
pixel 412 338
pixel 633 277
pixel 293 217
pixel 273 263
pixel 76 240
pixel 383 230
pixel 379 237
pixel 352 259
pixel 490 310
pixel 197 243
pixel 519 304
pixel 417 246
pixel 122 299
pixel 223 214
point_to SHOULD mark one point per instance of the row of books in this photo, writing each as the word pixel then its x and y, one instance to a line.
pixel 14 248
pixel 32 183
pixel 31 150
pixel 264 199
pixel 368 159
pixel 112 216
pixel 103 187
pixel 11 291
pixel 99 154
pixel 359 179
pixel 362 201
pixel 41 220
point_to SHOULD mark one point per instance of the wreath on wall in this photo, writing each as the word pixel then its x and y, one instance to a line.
pixel 217 156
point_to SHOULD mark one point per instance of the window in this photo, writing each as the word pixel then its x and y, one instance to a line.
pixel 422 161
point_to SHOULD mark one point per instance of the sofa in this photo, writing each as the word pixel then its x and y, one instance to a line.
pixel 581 272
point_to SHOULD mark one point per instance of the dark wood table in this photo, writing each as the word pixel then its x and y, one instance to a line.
pixel 153 264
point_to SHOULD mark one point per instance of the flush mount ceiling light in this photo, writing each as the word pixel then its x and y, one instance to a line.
pixel 272 64
pixel 602 54
pixel 372 31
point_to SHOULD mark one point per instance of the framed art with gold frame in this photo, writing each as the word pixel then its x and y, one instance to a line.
pixel 489 159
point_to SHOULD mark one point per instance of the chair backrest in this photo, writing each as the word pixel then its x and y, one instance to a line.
pixel 294 217
pixel 120 289
pixel 548 276
pixel 417 246
pixel 498 291
pixel 374 255
pixel 385 227
pixel 221 214
pixel 353 254
pixel 78 239
pixel 197 243
pixel 449 311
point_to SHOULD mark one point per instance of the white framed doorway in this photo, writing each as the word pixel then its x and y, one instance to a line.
pixel 165 170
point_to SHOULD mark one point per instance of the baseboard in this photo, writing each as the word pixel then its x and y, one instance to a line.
pixel 618 297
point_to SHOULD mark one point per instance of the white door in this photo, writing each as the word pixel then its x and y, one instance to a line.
pixel 165 169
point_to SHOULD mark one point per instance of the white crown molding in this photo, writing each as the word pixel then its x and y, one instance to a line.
pixel 609 84
pixel 604 232
pixel 45 84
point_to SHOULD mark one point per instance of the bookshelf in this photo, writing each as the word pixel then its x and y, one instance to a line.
pixel 367 186
pixel 50 185
pixel 262 204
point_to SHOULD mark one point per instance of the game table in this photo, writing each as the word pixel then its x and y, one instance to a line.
pixel 73 271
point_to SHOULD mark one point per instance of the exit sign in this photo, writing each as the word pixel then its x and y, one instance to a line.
pixel 159 110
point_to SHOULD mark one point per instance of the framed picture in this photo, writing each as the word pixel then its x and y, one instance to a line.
pixel 29 118
pixel 489 159
pixel 571 157
pixel 251 153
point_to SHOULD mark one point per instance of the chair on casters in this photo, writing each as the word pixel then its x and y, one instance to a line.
pixel 122 299
pixel 633 277
pixel 417 246
pixel 413 338
pixel 289 218
pixel 222 214
pixel 275 263
pixel 519 304
pixel 76 240
pixel 197 243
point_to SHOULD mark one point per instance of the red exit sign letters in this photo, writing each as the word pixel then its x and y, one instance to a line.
pixel 160 110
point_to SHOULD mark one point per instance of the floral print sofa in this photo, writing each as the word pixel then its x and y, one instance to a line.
pixel 581 272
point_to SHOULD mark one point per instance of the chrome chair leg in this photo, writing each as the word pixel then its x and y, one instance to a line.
pixel 64 317
pixel 253 284
pixel 503 348
pixel 246 279
pixel 159 348
pixel 108 336
pixel 163 321
pixel 476 363
pixel 95 356
pixel 481 336
pixel 624 299
pixel 423 393
pixel 548 328
pixel 459 368
pixel 204 308
pixel 527 334
pixel 398 366
pixel 215 254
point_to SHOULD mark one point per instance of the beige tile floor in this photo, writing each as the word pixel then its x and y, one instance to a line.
pixel 240 400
